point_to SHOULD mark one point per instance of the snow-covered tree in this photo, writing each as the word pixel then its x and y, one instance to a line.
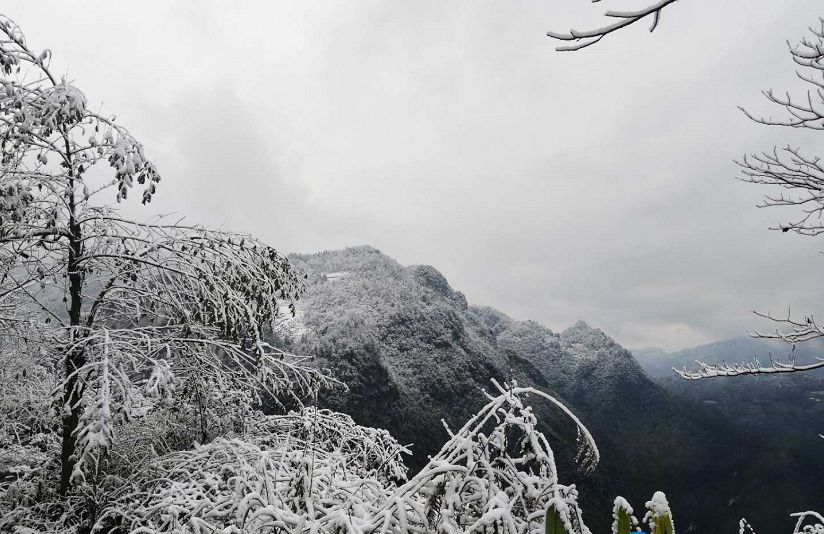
pixel 126 312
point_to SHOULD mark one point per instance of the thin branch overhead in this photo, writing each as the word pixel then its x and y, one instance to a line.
pixel 585 38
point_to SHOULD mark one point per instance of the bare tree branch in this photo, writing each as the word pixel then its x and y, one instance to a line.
pixel 587 38
pixel 800 178
pixel 752 368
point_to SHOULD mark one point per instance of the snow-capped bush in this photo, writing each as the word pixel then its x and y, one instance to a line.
pixel 317 471
pixel 622 516
pixel 659 515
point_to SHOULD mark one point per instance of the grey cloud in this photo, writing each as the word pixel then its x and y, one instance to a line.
pixel 592 186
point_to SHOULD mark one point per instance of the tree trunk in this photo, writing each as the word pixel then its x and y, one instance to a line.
pixel 75 358
pixel 71 418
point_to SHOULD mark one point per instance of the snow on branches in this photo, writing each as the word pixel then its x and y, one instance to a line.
pixel 800 176
pixel 584 38
pixel 817 520
pixel 496 474
pixel 316 471
pixel 151 309
pixel 313 469
pixel 49 136
pixel 800 179
pixel 175 310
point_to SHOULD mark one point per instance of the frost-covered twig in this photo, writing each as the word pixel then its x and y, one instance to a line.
pixel 800 176
pixel 585 38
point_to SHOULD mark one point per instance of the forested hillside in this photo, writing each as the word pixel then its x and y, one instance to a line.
pixel 413 352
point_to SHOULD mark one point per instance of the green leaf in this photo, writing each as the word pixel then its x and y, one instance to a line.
pixel 663 525
pixel 554 523
pixel 624 524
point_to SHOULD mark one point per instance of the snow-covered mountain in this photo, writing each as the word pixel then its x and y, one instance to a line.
pixel 413 351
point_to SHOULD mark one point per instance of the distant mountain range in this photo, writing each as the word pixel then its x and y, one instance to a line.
pixel 414 352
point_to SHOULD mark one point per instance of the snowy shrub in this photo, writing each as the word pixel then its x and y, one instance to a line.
pixel 29 447
pixel 496 474
pixel 370 452
pixel 310 470
pixel 317 471
pixel 659 515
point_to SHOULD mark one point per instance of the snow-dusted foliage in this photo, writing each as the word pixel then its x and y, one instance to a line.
pixel 124 309
pixel 659 516
pixel 29 446
pixel 623 519
pixel 371 452
pixel 316 471
pixel 305 470
pixel 496 474
pixel 26 418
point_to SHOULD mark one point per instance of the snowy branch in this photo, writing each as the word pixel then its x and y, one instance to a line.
pixel 801 176
pixel 799 332
pixel 585 38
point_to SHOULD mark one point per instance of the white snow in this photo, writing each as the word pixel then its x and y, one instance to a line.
pixel 289 326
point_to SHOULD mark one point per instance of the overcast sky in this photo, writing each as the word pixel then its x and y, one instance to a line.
pixel 555 187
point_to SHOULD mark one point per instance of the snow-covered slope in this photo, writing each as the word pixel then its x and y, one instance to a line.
pixel 413 352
